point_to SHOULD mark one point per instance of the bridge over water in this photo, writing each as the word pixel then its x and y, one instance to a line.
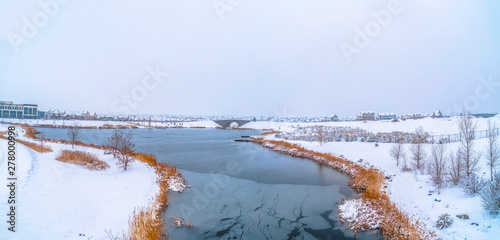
pixel 227 123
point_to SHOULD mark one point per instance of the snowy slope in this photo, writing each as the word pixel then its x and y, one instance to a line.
pixel 432 126
pixel 64 201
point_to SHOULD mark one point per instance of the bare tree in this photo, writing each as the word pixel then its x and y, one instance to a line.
pixel 437 165
pixel 456 167
pixel 42 140
pixel 467 130
pixel 113 142
pixel 125 150
pixel 397 150
pixel 493 151
pixel 73 133
pixel 321 134
pixel 417 150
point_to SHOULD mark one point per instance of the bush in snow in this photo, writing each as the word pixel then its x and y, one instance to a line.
pixel 444 221
pixel 417 150
pixel 472 184
pixel 456 167
pixel 437 164
pixel 491 195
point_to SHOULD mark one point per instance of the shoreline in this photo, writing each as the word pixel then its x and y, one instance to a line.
pixel 383 215
pixel 144 222
pixel 368 182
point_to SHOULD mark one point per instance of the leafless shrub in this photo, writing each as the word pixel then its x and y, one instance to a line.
pixel 112 236
pixel 42 140
pixel 456 167
pixel 417 150
pixel 73 134
pixel 437 164
pixel 397 151
pixel 113 142
pixel 444 221
pixel 490 195
pixel 321 134
pixel 470 156
pixel 492 149
pixel 124 149
pixel 405 167
pixel 472 184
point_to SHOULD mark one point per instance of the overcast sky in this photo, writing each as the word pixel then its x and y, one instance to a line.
pixel 251 57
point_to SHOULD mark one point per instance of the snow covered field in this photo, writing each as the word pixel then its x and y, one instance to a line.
pixel 432 126
pixel 415 192
pixel 58 200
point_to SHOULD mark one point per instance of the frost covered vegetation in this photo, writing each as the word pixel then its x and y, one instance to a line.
pixel 491 195
pixel 374 210
pixel 350 134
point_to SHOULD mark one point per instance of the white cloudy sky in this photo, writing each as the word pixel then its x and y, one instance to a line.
pixel 264 56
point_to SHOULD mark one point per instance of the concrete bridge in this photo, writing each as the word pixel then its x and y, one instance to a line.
pixel 227 123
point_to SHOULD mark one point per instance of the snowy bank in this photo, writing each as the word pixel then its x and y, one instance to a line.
pixel 64 201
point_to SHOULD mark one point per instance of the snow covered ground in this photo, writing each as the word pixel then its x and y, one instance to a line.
pixel 415 192
pixel 58 200
pixel 432 126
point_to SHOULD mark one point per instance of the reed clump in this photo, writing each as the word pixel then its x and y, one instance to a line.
pixel 146 223
pixel 369 182
pixel 82 158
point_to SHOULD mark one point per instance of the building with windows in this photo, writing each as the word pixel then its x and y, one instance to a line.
pixel 10 110
pixel 387 116
pixel 366 116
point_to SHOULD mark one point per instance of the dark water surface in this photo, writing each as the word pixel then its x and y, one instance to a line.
pixel 240 190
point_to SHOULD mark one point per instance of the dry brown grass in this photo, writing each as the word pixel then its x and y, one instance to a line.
pixel 35 146
pixel 32 145
pixel 109 126
pixel 77 143
pixel 131 126
pixel 269 133
pixel 29 131
pixel 149 159
pixel 395 224
pixel 82 158
pixel 146 223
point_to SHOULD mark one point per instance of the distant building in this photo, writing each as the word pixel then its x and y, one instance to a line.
pixel 55 114
pixel 437 114
pixel 366 116
pixel 387 116
pixel 334 118
pixel 23 111
pixel 417 116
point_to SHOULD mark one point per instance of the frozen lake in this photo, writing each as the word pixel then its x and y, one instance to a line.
pixel 241 190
